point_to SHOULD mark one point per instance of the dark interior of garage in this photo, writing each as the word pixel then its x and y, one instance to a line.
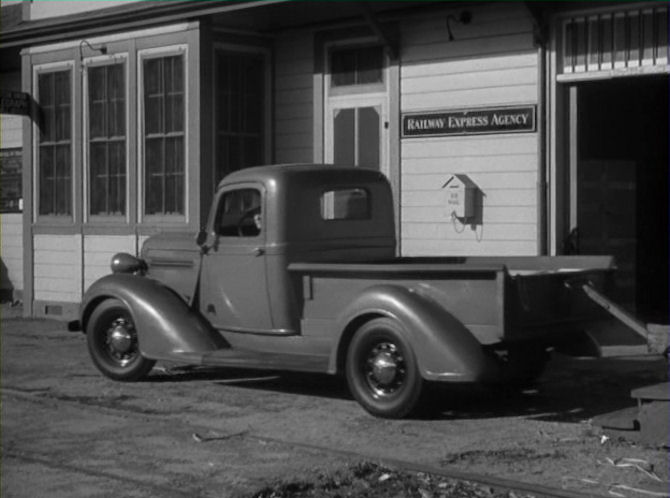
pixel 622 185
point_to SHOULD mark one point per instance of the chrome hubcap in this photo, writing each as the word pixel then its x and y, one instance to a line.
pixel 121 341
pixel 385 369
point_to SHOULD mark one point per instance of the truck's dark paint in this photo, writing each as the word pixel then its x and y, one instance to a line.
pixel 295 293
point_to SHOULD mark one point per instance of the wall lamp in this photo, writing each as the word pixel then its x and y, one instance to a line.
pixel 96 48
pixel 465 17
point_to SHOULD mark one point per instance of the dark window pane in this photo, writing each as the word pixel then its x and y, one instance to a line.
pixel 240 111
pixel 48 127
pixel 107 130
pixel 96 120
pixel 96 83
pixel 164 118
pixel 46 180
pixel 368 137
pixel 356 66
pixel 606 40
pixel 344 138
pixel 54 147
pixel 569 55
pixel 45 89
pixel 662 19
pixel 620 38
pixel 62 193
pixel 345 204
pixel 117 171
pixel 370 61
pixel 343 67
pixel 634 37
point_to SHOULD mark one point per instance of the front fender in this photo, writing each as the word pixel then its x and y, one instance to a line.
pixel 167 328
pixel 446 350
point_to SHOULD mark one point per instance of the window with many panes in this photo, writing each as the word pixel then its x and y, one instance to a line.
pixel 240 111
pixel 164 135
pixel 55 143
pixel 107 140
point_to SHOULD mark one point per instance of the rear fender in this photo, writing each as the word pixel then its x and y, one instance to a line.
pixel 167 328
pixel 446 350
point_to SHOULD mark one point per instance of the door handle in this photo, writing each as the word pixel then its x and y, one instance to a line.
pixel 258 251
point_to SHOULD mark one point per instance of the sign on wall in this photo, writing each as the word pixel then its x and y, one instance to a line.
pixel 469 122
pixel 10 188
pixel 14 103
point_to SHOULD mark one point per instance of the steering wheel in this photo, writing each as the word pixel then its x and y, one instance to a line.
pixel 243 224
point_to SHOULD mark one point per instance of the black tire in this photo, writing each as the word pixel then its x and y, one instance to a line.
pixel 113 344
pixel 382 370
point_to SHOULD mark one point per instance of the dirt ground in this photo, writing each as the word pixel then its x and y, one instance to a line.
pixel 69 432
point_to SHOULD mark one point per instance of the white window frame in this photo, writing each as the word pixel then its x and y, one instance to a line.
pixel 155 53
pixel 37 70
pixel 98 61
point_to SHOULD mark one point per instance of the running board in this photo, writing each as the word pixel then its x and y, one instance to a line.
pixel 237 358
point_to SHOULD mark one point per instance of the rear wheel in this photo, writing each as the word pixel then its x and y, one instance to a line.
pixel 382 370
pixel 113 344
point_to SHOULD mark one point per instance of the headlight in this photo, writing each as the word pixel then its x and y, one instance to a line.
pixel 123 262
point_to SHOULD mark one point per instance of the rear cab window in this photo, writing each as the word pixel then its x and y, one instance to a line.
pixel 346 204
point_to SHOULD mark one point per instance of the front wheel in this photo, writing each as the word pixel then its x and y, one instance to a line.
pixel 382 370
pixel 113 345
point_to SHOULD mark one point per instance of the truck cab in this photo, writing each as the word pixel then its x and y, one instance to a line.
pixel 262 220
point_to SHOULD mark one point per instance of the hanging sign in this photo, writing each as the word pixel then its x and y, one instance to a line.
pixel 15 103
pixel 469 122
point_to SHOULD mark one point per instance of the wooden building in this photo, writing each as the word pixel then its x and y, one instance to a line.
pixel 553 118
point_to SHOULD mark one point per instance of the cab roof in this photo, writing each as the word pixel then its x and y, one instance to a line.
pixel 304 173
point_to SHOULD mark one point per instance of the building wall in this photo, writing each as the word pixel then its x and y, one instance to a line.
pixel 11 224
pixel 294 81
pixel 491 62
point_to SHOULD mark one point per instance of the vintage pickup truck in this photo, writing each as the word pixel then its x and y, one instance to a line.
pixel 296 270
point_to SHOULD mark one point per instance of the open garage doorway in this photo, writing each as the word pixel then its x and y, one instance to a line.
pixel 619 185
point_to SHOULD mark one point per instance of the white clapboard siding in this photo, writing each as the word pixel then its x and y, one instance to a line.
pixel 444 98
pixel 11 250
pixel 98 253
pixel 473 146
pixel 527 59
pixel 468 246
pixel 294 98
pixel 469 81
pixel 491 62
pixel 57 268
pixel 493 231
pixel 475 164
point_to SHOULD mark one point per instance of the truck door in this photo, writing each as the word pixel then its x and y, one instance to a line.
pixel 234 292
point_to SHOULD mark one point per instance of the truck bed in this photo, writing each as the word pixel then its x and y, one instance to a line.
pixel 507 298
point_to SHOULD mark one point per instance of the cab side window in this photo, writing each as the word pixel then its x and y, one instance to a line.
pixel 239 214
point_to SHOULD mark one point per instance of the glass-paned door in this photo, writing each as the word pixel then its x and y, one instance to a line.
pixel 356 134
pixel 240 111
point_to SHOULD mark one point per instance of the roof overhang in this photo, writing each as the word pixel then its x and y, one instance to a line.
pixel 255 16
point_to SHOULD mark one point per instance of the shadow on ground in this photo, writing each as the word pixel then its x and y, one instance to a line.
pixel 571 390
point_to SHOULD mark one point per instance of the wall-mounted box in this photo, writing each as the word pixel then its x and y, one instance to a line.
pixel 460 194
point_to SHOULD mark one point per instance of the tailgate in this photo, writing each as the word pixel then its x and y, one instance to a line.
pixel 542 302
